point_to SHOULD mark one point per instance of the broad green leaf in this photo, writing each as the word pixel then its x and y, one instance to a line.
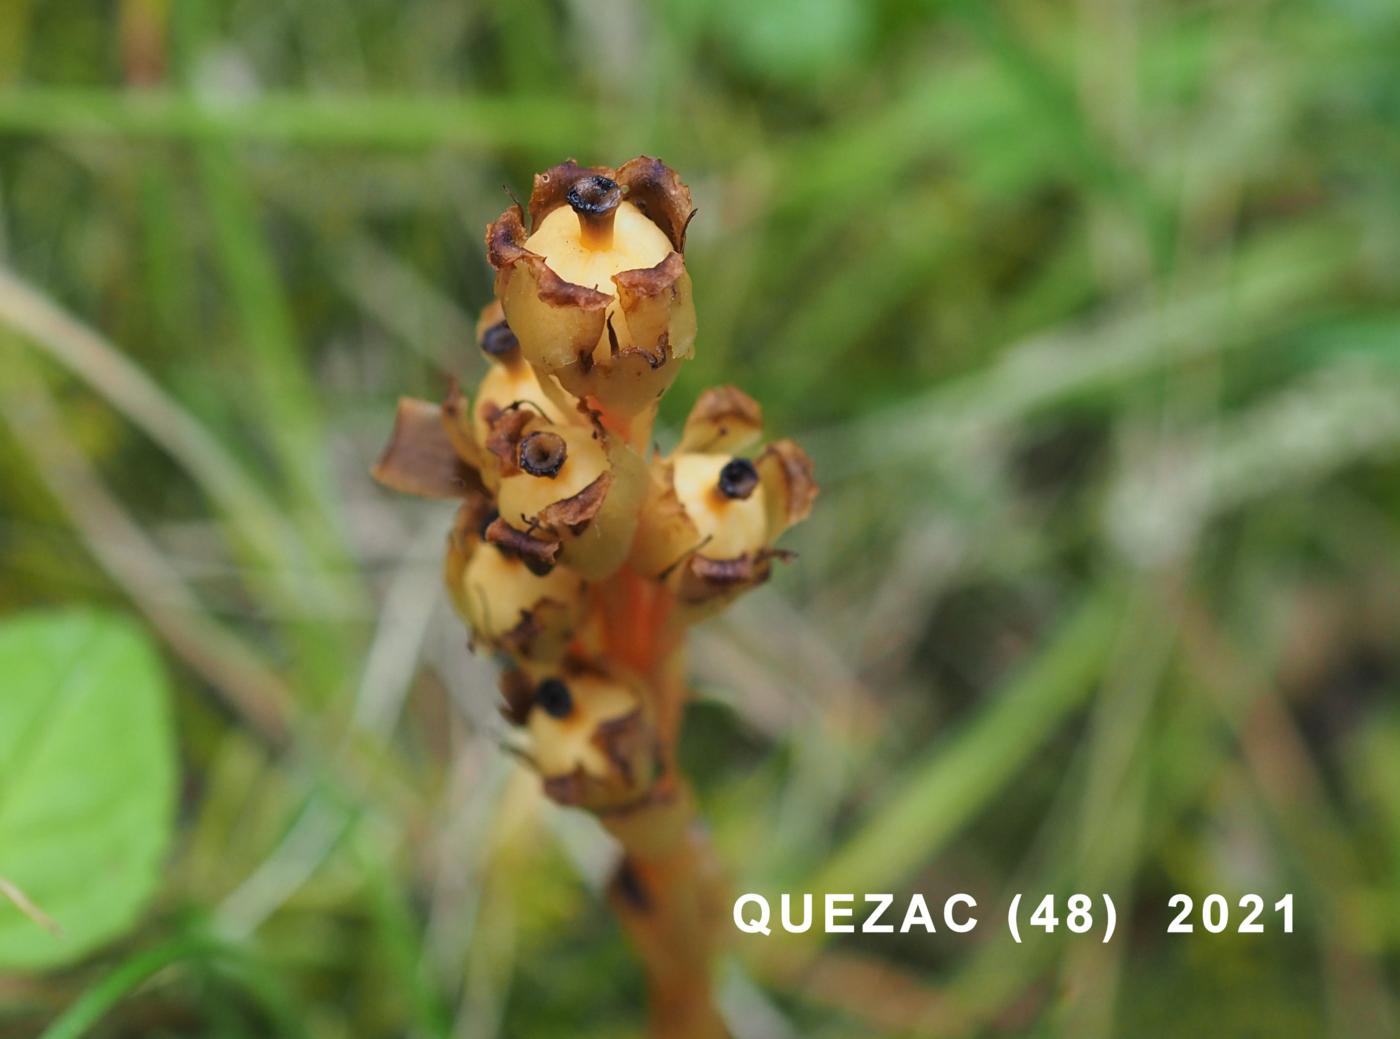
pixel 87 780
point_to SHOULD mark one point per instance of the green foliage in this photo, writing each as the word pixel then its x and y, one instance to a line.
pixel 87 781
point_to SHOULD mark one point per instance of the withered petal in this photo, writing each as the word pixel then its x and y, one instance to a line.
pixel 521 640
pixel 577 511
pixel 657 190
pixel 569 790
pixel 518 692
pixel 646 282
pixel 456 423
pixel 666 535
pixel 577 789
pixel 507 430
pixel 724 573
pixel 538 553
pixel 420 457
pixel 624 740
pixel 505 239
pixel 789 483
pixel 557 292
pixel 703 580
pixel 724 419
pixel 550 187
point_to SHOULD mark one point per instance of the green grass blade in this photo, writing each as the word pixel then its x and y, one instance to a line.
pixel 388 121
pixel 88 1010
pixel 946 789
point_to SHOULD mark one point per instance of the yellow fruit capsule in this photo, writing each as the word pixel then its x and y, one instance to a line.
pixel 552 463
pixel 590 731
pixel 574 487
pixel 597 292
pixel 717 493
pixel 510 382
pixel 514 610
pixel 462 541
pixel 723 500
pixel 712 519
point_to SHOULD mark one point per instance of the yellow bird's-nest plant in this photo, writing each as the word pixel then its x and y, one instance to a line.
pixel 580 555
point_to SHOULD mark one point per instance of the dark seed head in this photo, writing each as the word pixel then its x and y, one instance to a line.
pixel 543 454
pixel 554 698
pixel 594 195
pixel 738 478
pixel 498 340
pixel 538 567
pixel 595 199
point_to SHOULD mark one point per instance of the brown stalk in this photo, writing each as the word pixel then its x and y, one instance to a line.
pixel 669 890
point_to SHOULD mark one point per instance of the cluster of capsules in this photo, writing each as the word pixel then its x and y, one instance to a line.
pixel 579 553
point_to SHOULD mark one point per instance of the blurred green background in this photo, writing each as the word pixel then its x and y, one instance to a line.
pixel 1090 316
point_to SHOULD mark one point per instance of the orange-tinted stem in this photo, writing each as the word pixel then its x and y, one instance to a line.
pixel 669 889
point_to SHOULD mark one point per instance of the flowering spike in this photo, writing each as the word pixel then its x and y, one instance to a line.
pixel 580 559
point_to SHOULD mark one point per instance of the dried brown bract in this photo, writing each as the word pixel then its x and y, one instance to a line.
pixel 712 517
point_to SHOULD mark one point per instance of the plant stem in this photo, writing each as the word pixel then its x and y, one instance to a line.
pixel 666 897
pixel 669 888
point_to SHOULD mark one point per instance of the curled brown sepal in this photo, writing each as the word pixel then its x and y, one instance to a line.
pixel 724 420
pixel 517 695
pixel 507 431
pixel 511 595
pixel 703 579
pixel 573 514
pixel 658 191
pixel 421 458
pixel 540 554
pixel 704 586
pixel 789 484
